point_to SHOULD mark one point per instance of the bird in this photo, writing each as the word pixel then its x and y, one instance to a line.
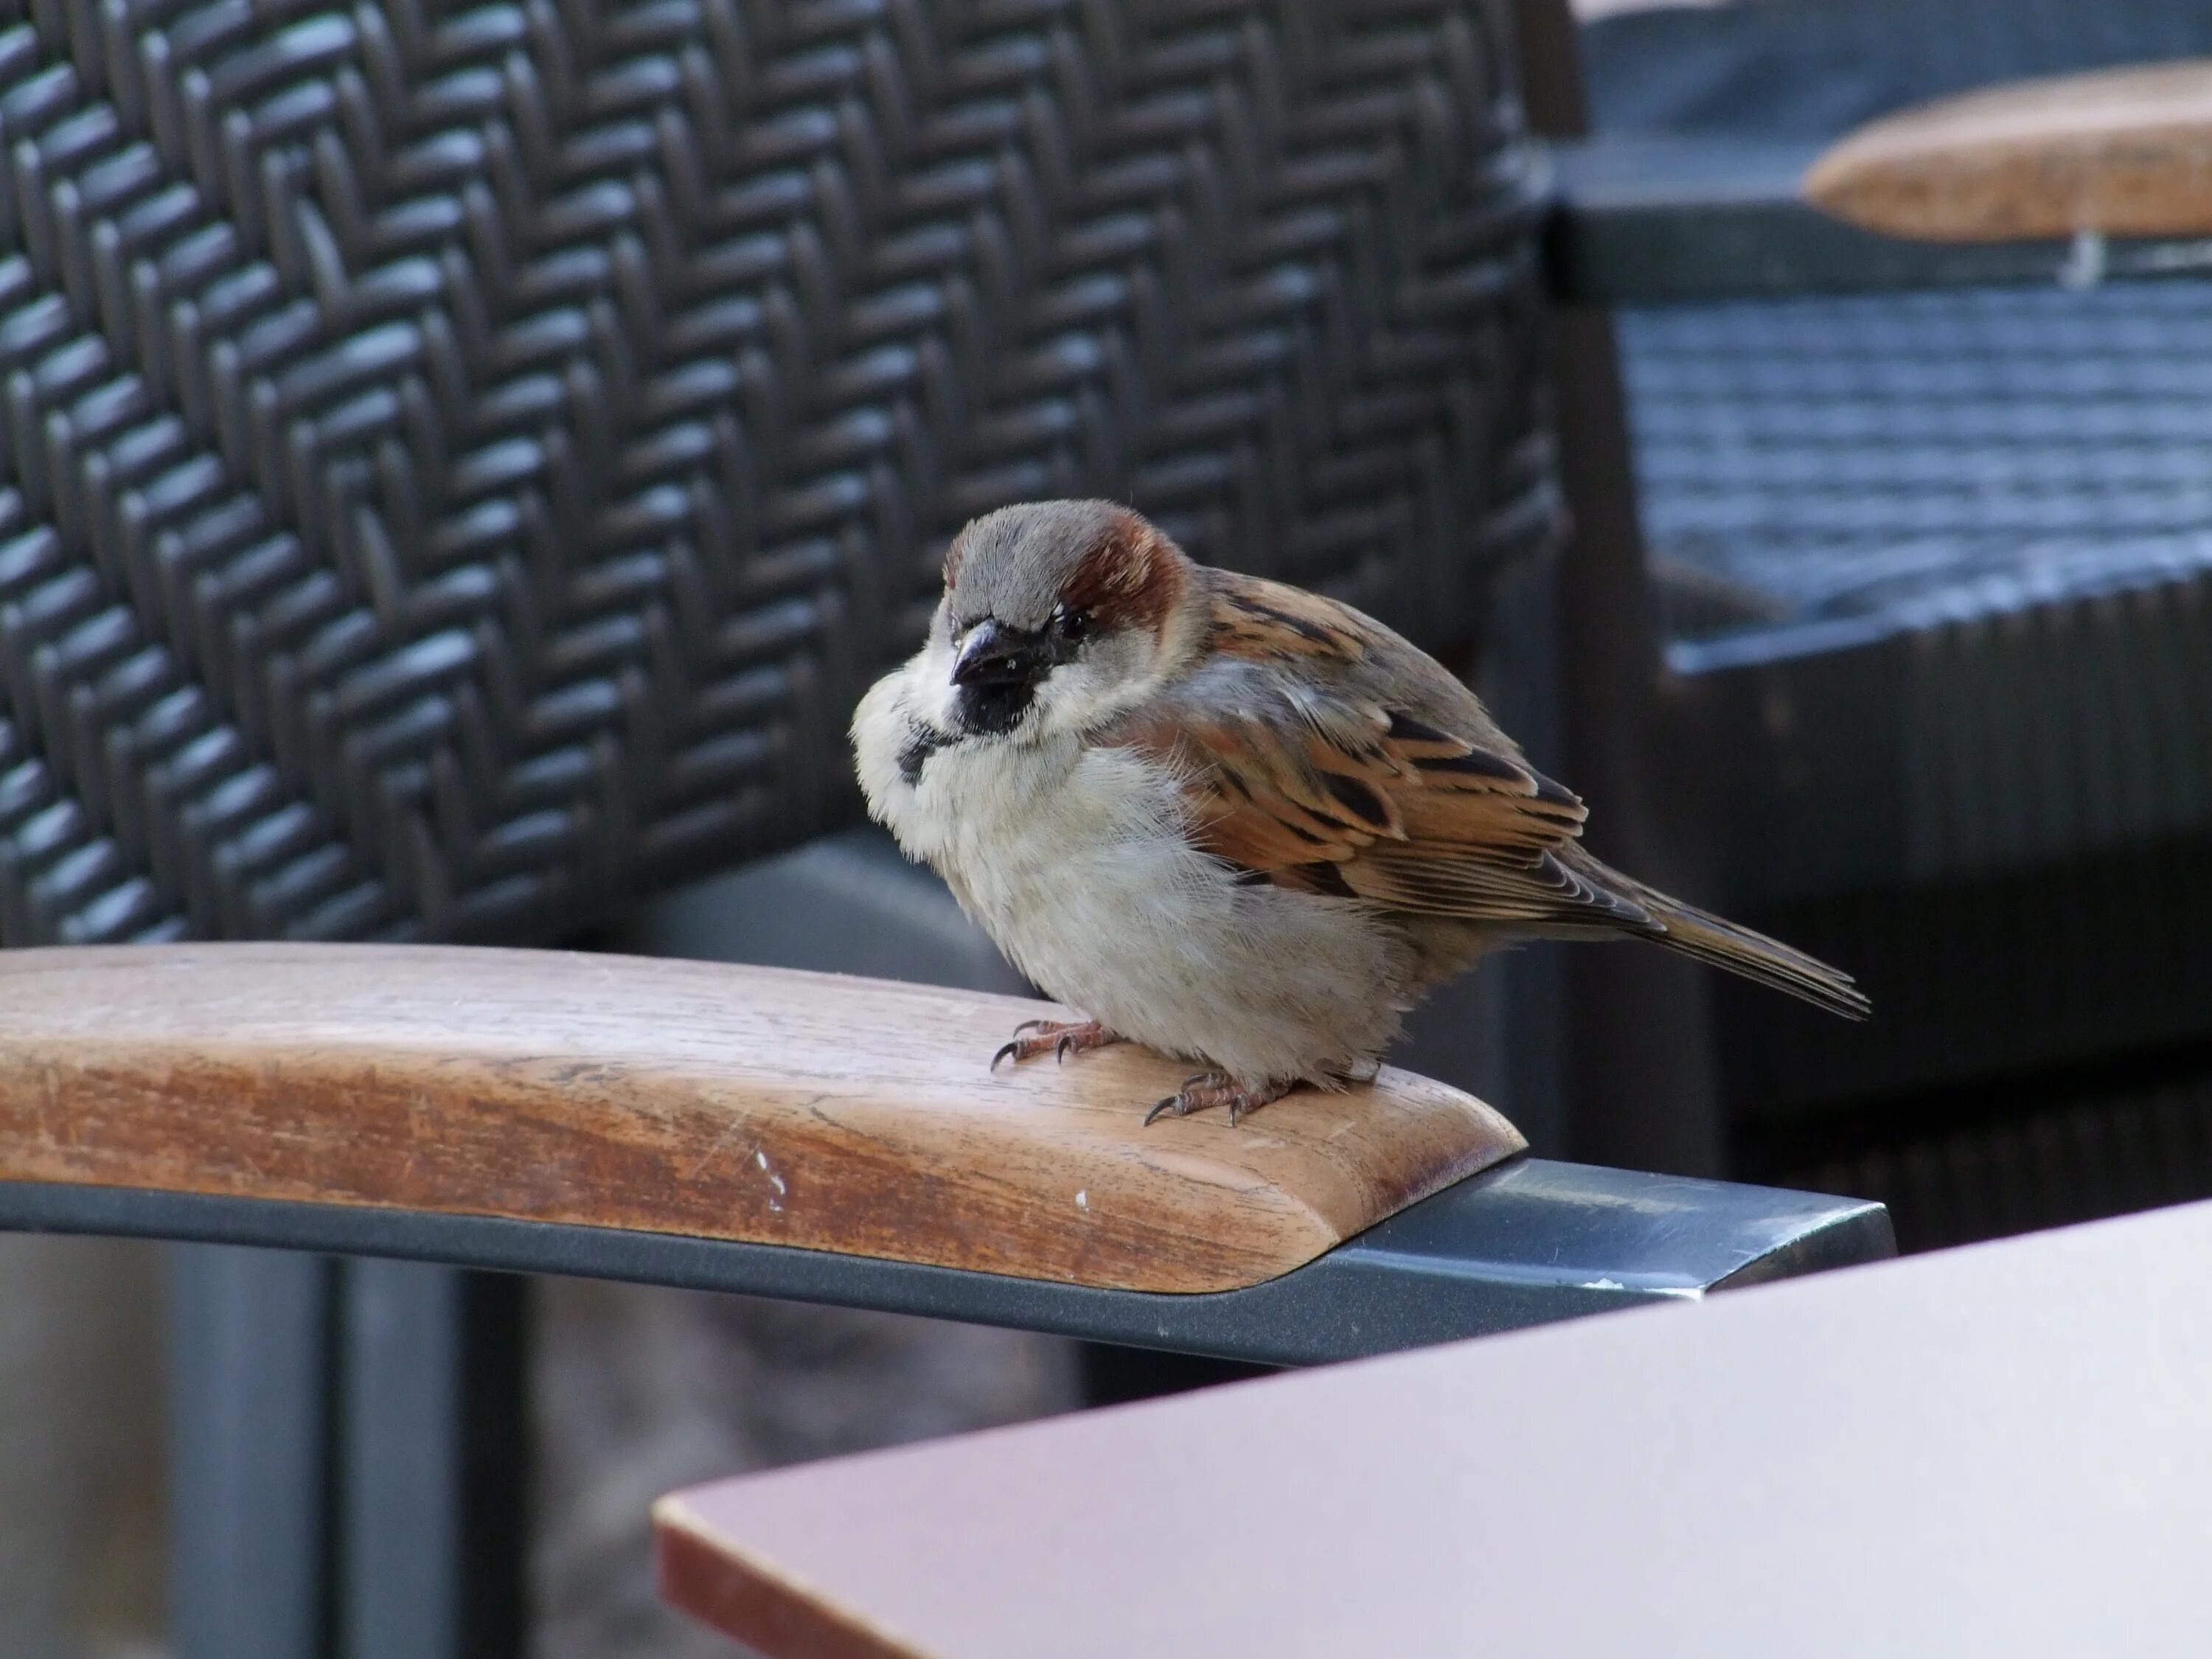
pixel 1235 821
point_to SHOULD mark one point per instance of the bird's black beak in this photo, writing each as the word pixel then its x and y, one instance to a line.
pixel 994 654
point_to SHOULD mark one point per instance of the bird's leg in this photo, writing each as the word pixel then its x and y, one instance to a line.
pixel 1033 1038
pixel 1218 1089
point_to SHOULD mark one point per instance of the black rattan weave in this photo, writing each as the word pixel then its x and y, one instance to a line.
pixel 460 464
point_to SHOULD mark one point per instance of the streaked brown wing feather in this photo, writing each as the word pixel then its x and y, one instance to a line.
pixel 1302 770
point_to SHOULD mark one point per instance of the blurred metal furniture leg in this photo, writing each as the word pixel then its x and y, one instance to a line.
pixel 250 1339
pixel 347 1439
pixel 432 1450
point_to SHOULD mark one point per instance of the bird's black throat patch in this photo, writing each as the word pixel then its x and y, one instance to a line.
pixel 989 708
pixel 1000 667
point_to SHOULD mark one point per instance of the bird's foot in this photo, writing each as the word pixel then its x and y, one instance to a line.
pixel 1209 1089
pixel 1033 1038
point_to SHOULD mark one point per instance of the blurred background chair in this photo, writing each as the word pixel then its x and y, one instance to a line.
pixel 1923 585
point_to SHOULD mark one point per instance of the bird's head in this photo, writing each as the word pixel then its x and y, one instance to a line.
pixel 1057 617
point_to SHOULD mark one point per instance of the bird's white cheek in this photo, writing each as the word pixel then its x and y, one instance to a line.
pixel 1102 686
pixel 1066 701
pixel 883 726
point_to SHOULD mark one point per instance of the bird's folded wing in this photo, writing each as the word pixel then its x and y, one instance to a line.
pixel 1301 768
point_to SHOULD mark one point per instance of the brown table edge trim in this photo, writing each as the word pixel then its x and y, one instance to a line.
pixel 746 1599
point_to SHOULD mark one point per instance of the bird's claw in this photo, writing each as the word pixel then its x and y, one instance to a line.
pixel 1196 1094
pixel 1216 1089
pixel 1061 1038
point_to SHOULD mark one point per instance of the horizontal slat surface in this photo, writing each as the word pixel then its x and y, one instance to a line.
pixel 847 1116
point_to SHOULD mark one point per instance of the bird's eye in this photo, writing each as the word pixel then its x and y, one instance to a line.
pixel 1070 627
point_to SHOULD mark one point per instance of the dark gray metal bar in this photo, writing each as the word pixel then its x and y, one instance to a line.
pixel 1655 221
pixel 1524 1244
pixel 401 1513
pixel 249 1334
pixel 431 1405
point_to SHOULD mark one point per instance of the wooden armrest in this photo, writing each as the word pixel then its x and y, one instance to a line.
pixel 2009 1440
pixel 2123 152
pixel 848 1115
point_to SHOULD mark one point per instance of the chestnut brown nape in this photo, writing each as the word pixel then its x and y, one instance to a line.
pixel 1131 578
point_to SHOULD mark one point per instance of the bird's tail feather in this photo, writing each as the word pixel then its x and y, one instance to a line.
pixel 1722 944
pixel 1712 940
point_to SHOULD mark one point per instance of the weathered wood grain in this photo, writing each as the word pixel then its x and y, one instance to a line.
pixel 2123 152
pixel 756 1105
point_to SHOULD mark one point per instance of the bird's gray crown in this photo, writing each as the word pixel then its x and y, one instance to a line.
pixel 1014 564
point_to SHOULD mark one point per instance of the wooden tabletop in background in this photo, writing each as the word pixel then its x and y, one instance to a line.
pixel 2005 1449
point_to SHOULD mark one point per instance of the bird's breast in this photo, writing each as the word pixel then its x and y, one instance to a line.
pixel 1045 842
pixel 1076 861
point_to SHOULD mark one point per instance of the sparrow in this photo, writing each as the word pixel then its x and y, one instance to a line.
pixel 1237 822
